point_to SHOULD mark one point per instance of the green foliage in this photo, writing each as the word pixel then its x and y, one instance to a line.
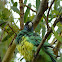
pixel 37 4
pixel 6 16
pixel 2 23
pixel 25 1
pixel 15 9
pixel 30 17
pixel 15 4
pixel 55 11
pixel 6 33
pixel 56 4
pixel 38 28
pixel 7 36
pixel 58 37
pixel 43 29
pixel 49 37
pixel 27 13
pixel 5 13
pixel 59 27
pixel 12 1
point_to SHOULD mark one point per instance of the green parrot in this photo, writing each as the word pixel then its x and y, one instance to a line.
pixel 27 42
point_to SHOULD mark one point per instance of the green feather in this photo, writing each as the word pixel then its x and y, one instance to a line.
pixel 33 39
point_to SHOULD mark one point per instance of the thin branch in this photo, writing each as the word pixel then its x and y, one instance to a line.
pixel 48 14
pixel 12 40
pixel 21 14
pixel 2 23
pixel 12 29
pixel 58 45
pixel 3 32
pixel 45 37
pixel 30 8
pixel 53 42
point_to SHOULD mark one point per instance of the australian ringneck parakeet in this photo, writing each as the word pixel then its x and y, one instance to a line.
pixel 27 42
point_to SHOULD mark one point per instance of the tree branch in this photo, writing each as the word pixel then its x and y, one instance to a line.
pixel 42 8
pixel 9 53
pixel 21 14
pixel 48 14
pixel 12 45
pixel 45 37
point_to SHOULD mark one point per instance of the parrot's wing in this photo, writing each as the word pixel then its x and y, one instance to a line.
pixel 34 38
pixel 20 35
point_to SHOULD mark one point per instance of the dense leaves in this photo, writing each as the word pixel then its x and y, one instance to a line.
pixel 27 13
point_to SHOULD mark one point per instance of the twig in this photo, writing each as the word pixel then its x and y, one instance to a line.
pixel 54 41
pixel 3 31
pixel 12 29
pixel 42 42
pixel 58 45
pixel 48 14
pixel 2 23
pixel 30 8
pixel 12 40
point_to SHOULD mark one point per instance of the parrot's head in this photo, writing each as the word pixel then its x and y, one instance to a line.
pixel 28 26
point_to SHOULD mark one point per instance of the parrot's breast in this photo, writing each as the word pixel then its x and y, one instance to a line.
pixel 25 48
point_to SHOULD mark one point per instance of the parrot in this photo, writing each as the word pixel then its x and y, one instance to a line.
pixel 27 42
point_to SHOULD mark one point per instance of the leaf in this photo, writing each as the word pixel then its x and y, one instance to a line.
pixel 5 14
pixel 56 35
pixel 2 23
pixel 38 27
pixel 25 1
pixel 15 9
pixel 46 44
pixel 43 30
pixel 15 4
pixel 49 37
pixel 59 27
pixel 56 4
pixel 27 13
pixel 30 18
pixel 12 1
pixel 37 4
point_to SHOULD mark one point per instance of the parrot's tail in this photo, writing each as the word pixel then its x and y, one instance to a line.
pixel 52 58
